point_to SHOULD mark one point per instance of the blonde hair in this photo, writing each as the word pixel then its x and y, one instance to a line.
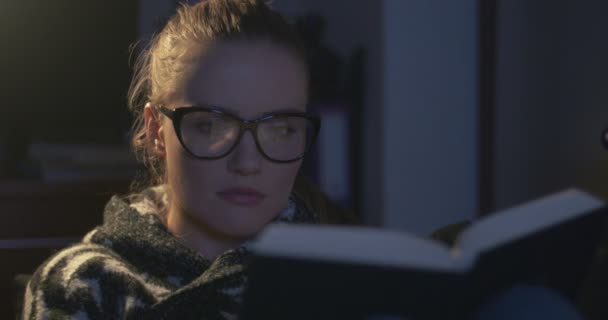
pixel 162 64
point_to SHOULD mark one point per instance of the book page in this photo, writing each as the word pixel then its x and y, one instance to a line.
pixel 525 219
pixel 360 245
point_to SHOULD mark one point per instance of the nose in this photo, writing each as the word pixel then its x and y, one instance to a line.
pixel 245 159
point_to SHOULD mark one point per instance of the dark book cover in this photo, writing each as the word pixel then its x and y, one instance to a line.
pixel 298 287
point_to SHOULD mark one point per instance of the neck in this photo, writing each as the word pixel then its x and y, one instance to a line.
pixel 198 236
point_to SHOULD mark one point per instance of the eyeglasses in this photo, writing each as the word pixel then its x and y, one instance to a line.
pixel 209 133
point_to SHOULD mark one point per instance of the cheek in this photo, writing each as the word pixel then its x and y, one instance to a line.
pixel 189 177
pixel 283 178
pixel 174 159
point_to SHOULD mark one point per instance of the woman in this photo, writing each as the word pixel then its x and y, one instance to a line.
pixel 220 100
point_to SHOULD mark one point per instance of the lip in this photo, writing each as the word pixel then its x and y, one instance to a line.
pixel 242 196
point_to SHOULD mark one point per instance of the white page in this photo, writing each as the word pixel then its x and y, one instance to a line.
pixel 525 219
pixel 359 245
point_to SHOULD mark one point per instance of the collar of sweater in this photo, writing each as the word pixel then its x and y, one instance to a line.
pixel 135 231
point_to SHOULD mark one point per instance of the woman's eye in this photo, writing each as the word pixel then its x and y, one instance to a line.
pixel 283 130
pixel 213 127
pixel 204 126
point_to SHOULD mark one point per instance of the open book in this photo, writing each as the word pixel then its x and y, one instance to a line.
pixel 310 271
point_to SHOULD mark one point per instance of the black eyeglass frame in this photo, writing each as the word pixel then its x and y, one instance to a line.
pixel 177 114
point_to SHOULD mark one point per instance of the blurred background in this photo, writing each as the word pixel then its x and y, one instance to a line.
pixel 433 111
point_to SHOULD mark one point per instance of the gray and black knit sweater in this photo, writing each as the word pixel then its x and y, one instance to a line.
pixel 132 267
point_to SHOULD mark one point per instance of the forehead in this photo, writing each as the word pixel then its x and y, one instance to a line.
pixel 247 78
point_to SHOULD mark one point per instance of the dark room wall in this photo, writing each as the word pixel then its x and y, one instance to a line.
pixel 552 98
pixel 65 69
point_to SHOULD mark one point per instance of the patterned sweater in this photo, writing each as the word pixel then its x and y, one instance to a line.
pixel 132 267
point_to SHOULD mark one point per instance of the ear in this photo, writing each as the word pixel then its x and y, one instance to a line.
pixel 154 130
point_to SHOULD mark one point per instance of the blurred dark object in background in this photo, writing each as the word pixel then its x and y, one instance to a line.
pixel 336 94
pixel 39 218
pixel 65 71
pixel 325 65
pixel 605 138
pixel 65 75
pixel 13 152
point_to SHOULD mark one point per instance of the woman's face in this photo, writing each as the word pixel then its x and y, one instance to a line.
pixel 249 79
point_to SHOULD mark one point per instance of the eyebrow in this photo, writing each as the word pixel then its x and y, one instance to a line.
pixel 284 110
pixel 232 112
